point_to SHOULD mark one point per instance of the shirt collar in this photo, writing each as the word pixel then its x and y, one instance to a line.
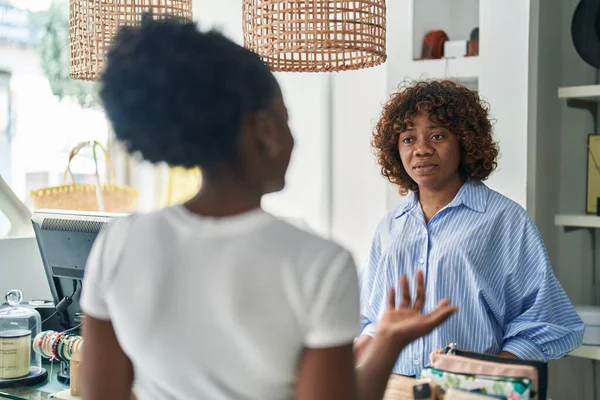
pixel 473 195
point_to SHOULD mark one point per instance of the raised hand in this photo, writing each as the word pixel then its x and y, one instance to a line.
pixel 405 323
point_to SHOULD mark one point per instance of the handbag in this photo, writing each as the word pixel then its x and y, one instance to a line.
pixel 453 363
pixel 103 197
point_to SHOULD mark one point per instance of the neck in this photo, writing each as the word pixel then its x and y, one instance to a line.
pixel 434 199
pixel 224 194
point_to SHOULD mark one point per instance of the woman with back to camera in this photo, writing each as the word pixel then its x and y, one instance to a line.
pixel 216 299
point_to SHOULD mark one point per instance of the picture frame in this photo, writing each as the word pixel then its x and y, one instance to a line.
pixel 593 173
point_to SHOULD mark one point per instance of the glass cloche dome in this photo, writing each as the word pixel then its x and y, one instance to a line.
pixel 19 324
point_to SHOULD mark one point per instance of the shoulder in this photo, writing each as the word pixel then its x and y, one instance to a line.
pixel 512 218
pixel 386 222
pixel 306 246
pixel 502 206
pixel 312 263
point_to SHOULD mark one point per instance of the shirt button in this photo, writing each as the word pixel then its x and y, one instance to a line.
pixel 417 362
pixel 421 261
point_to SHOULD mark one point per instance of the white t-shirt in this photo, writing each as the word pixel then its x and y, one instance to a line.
pixel 219 308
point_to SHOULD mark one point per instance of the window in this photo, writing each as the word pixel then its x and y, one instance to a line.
pixel 40 121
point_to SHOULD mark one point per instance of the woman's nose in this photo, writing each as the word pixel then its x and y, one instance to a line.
pixel 423 148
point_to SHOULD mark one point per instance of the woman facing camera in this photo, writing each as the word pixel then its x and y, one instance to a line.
pixel 472 244
pixel 217 299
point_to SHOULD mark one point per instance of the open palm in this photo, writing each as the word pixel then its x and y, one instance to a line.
pixel 405 322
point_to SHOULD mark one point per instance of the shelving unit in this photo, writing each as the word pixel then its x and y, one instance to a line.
pixel 465 69
pixel 589 352
pixel 405 40
pixel 586 93
pixel 585 97
pixel 577 221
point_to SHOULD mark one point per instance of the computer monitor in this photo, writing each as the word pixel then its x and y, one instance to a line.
pixel 65 239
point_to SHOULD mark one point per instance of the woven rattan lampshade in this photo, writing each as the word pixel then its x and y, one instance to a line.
pixel 316 35
pixel 94 23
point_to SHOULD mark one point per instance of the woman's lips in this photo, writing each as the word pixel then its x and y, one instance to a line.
pixel 425 168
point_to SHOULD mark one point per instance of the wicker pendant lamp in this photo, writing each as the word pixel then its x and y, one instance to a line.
pixel 94 23
pixel 316 35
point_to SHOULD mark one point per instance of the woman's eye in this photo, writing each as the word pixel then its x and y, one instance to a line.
pixel 407 140
pixel 438 136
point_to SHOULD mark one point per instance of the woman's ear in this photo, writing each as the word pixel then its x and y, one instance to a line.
pixel 266 133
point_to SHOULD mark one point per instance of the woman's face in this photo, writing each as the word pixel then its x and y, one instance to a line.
pixel 430 153
pixel 280 159
pixel 266 148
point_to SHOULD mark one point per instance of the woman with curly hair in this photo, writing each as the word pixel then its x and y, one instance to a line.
pixel 434 142
pixel 217 299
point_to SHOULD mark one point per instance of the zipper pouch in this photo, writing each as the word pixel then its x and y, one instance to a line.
pixel 540 384
pixel 509 388
pixel 471 366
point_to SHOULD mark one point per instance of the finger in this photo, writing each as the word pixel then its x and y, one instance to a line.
pixel 442 303
pixel 439 315
pixel 405 292
pixel 392 298
pixel 420 299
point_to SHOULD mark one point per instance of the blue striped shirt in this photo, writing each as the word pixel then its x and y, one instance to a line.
pixel 484 253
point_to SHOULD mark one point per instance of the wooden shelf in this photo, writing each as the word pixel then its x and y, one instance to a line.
pixel 586 93
pixel 589 352
pixel 577 221
pixel 466 68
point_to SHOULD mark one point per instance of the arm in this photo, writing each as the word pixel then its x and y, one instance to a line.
pixel 328 373
pixel 541 323
pixel 360 347
pixel 106 371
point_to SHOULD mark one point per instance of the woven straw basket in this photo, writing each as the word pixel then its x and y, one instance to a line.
pixel 105 197
pixel 316 35
pixel 94 23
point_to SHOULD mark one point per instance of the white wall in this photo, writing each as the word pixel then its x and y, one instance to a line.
pixel 359 192
pixel 504 66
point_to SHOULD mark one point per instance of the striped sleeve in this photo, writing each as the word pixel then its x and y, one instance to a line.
pixel 541 323
pixel 370 293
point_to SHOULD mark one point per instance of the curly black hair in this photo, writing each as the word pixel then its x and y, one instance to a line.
pixel 449 103
pixel 179 95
